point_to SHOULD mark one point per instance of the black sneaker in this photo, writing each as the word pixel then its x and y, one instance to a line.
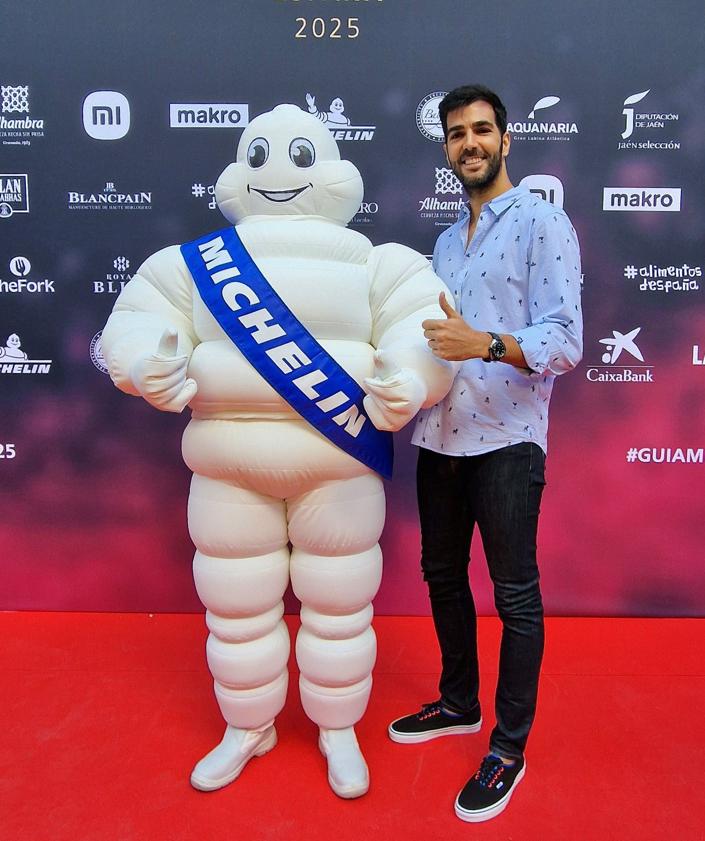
pixel 487 793
pixel 432 721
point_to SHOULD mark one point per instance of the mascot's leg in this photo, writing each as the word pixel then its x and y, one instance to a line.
pixel 336 568
pixel 241 570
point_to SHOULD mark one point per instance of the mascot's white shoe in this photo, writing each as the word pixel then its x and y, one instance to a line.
pixel 225 762
pixel 347 770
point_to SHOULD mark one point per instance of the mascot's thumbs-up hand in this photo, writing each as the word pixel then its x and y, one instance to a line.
pixel 161 377
pixel 394 395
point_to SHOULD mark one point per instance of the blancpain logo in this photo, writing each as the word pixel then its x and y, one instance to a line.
pixel 615 345
pixel 110 198
pixel 20 268
pixel 540 128
pixel 208 115
pixel 18 130
pixel 114 282
pixel 653 199
pixel 338 122
pixel 14 194
pixel 14 360
pixel 647 120
pixel 547 187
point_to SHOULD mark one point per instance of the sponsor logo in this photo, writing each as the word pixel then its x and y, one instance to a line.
pixel 652 199
pixel 96 352
pixel 442 207
pixel 428 121
pixel 202 191
pixel 208 115
pixel 114 281
pixel 20 268
pixel 653 278
pixel 366 213
pixel 616 345
pixel 667 455
pixel 698 357
pixel 7 451
pixel 110 198
pixel 14 360
pixel 18 130
pixel 539 125
pixel 14 195
pixel 338 122
pixel 645 121
pixel 546 187
pixel 106 115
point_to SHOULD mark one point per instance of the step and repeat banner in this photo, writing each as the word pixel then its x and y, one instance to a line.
pixel 116 120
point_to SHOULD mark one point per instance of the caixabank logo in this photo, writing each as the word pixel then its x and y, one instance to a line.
pixel 15 360
pixel 543 123
pixel 336 119
pixel 621 347
pixel 110 198
pixel 18 126
pixel 14 194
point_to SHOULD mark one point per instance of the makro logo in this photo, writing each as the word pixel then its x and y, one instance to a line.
pixel 110 198
pixel 428 120
pixel 13 360
pixel 540 126
pixel 443 211
pixel 338 122
pixel 645 121
pixel 20 267
pixel 614 347
pixel 18 130
pixel 208 115
pixel 547 187
pixel 106 115
pixel 114 281
pixel 14 194
pixel 654 199
pixel 654 278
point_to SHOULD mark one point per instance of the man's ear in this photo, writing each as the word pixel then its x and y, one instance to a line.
pixel 506 144
pixel 445 152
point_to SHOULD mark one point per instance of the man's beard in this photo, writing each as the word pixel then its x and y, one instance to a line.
pixel 479 181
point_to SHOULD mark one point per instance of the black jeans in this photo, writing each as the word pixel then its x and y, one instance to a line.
pixel 500 491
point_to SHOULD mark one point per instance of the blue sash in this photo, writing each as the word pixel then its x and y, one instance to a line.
pixel 280 348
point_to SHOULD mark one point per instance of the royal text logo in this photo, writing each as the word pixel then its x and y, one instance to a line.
pixel 653 199
pixel 114 281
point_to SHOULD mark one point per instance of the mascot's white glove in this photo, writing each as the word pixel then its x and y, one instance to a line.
pixel 394 395
pixel 161 377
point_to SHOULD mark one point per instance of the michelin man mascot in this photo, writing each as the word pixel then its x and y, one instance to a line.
pixel 298 347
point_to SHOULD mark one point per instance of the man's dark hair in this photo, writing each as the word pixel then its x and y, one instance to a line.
pixel 467 94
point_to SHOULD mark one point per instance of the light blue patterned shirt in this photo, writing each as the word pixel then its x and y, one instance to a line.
pixel 520 275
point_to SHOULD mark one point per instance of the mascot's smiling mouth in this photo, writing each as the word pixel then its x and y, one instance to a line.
pixel 280 195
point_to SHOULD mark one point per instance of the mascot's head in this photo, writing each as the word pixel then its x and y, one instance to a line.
pixel 288 164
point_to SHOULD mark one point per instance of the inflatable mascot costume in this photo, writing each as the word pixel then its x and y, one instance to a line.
pixel 204 325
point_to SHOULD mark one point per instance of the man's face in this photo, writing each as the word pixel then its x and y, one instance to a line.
pixel 474 147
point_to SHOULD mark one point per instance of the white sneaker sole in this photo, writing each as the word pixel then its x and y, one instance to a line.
pixel 213 784
pixel 490 811
pixel 416 738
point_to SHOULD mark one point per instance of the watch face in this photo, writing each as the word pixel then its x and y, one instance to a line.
pixel 497 348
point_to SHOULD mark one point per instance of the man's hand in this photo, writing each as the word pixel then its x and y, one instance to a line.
pixel 161 377
pixel 394 395
pixel 453 338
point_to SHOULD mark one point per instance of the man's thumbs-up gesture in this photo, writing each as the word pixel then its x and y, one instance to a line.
pixel 161 377
pixel 452 337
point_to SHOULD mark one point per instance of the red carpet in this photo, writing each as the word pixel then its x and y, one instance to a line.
pixel 104 715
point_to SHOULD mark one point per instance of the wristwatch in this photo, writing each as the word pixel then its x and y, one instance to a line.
pixel 497 348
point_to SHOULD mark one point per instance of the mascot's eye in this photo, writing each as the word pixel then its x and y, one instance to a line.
pixel 301 152
pixel 257 152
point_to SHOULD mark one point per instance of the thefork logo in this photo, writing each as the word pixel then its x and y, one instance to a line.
pixel 106 115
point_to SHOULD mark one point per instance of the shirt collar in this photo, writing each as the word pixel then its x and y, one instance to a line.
pixel 499 204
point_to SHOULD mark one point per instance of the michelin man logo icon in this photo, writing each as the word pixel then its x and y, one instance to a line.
pixel 333 117
pixel 12 349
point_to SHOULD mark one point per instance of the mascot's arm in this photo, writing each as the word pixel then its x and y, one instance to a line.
pixel 404 292
pixel 149 337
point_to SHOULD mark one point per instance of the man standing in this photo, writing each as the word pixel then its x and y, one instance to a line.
pixel 513 263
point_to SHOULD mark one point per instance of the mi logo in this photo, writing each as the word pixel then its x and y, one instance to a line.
pixel 546 187
pixel 106 115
